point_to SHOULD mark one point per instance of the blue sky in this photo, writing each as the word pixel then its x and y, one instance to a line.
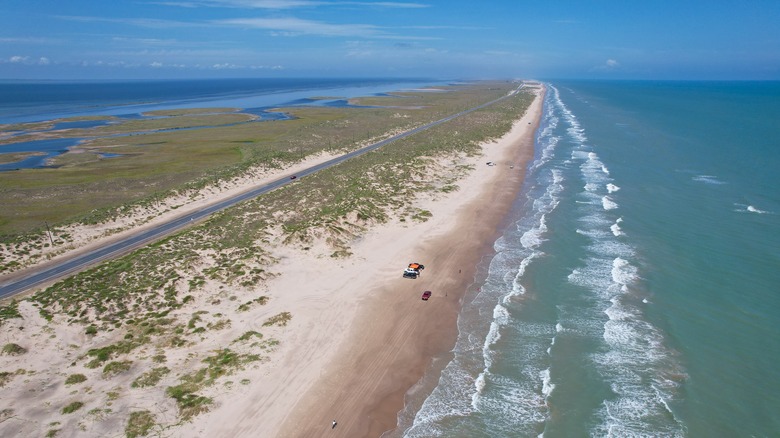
pixel 626 39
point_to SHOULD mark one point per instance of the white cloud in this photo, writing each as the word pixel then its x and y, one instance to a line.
pixel 226 66
pixel 608 66
pixel 26 60
pixel 156 64
pixel 25 40
pixel 286 4
pixel 498 53
pixel 140 22
pixel 266 67
pixel 294 26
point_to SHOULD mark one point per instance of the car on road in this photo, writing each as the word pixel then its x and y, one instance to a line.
pixel 294 176
pixel 426 295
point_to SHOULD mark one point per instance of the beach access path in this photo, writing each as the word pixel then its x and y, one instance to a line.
pixel 362 343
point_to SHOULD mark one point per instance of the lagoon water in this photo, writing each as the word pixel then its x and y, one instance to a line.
pixel 46 100
pixel 636 288
pixel 24 102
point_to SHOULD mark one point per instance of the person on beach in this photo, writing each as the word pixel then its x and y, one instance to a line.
pixel 334 425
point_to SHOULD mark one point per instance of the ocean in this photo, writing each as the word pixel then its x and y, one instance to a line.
pixel 635 291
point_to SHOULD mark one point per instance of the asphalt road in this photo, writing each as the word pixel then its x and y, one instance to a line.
pixel 109 251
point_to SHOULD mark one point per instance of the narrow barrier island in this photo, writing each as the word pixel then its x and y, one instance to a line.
pixel 153 340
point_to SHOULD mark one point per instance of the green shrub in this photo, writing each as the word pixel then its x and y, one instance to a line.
pixel 12 349
pixel 5 377
pixel 72 407
pixel 117 367
pixel 140 423
pixel 9 311
pixel 281 319
pixel 150 378
pixel 189 403
pixel 75 378
pixel 248 335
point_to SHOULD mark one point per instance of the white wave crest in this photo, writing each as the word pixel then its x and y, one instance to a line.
pixel 547 385
pixel 752 209
pixel 557 176
pixel 533 238
pixel 608 203
pixel 517 287
pixel 500 319
pixel 708 179
pixel 746 208
pixel 615 228
pixel 611 188
pixel 623 272
pixel 479 386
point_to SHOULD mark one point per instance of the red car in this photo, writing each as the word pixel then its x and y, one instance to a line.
pixel 426 295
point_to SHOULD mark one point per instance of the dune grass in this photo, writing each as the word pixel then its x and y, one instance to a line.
pixel 75 378
pixel 72 407
pixel 150 378
pixel 9 311
pixel 12 349
pixel 221 363
pixel 139 423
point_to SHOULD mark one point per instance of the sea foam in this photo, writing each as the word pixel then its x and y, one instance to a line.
pixel 615 228
pixel 708 179
pixel 608 203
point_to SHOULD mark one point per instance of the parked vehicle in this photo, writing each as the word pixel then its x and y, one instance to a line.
pixel 413 270
pixel 426 295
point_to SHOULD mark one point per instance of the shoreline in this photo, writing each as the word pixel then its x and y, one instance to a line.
pixel 393 337
pixel 397 338
pixel 476 228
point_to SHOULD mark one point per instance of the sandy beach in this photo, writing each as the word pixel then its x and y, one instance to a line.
pixel 359 340
pixel 363 337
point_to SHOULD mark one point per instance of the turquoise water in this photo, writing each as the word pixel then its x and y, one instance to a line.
pixel 635 291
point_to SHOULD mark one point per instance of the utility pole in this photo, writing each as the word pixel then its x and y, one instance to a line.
pixel 49 231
